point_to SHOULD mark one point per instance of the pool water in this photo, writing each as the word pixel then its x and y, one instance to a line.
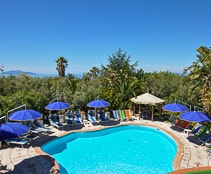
pixel 120 150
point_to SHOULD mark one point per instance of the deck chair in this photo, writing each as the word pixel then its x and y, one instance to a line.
pixel 196 129
pixel 77 113
pixel 55 122
pixel 33 128
pixel 78 121
pixel 205 138
pixel 122 115
pixel 128 114
pixel 183 126
pixel 70 115
pixel 145 115
pixel 178 124
pixel 17 141
pixel 40 127
pixel 202 133
pixel 179 121
pixel 102 117
pixel 116 114
pixel 70 121
pixel 92 118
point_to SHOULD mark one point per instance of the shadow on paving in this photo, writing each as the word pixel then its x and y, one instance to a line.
pixel 41 140
pixel 41 164
pixel 194 139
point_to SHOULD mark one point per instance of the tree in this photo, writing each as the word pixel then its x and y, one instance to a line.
pixel 62 64
pixel 120 79
pixel 94 71
pixel 200 74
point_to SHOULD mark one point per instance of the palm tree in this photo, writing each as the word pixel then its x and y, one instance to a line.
pixel 94 71
pixel 62 63
pixel 200 74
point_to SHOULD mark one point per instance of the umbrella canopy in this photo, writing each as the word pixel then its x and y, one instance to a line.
pixel 98 104
pixel 175 107
pixel 25 115
pixel 57 106
pixel 146 99
pixel 195 116
pixel 12 130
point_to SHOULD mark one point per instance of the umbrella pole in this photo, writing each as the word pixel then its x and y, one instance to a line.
pixel 152 112
pixel 134 111
pixel 139 109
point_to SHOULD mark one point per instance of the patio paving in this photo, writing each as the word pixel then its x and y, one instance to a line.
pixel 31 160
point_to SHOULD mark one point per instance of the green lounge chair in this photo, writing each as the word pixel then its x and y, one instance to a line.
pixel 202 132
pixel 122 115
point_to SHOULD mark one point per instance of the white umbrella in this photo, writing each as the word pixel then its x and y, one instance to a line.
pixel 147 99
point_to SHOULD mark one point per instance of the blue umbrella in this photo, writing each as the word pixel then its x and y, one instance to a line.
pixel 98 104
pixel 175 107
pixel 195 116
pixel 57 106
pixel 25 115
pixel 12 130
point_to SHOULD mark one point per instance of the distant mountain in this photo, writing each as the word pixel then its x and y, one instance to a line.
pixel 17 72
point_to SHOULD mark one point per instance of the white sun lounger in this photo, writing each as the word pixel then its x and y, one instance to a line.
pixel 18 141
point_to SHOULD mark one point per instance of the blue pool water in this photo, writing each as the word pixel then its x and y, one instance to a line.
pixel 120 150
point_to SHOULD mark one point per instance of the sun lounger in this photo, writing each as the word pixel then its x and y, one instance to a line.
pixel 195 130
pixel 70 115
pixel 33 128
pixel 128 114
pixel 205 139
pixel 77 113
pixel 183 126
pixel 122 115
pixel 31 136
pixel 78 121
pixel 40 127
pixel 18 141
pixel 70 121
pixel 202 133
pixel 116 114
pixel 55 122
pixel 179 121
pixel 102 118
pixel 92 119
pixel 145 116
pixel 178 124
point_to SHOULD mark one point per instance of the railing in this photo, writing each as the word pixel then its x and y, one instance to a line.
pixel 179 101
pixel 56 99
pixel 197 108
pixel 6 118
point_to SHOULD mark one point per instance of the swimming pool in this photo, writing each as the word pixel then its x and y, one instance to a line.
pixel 122 149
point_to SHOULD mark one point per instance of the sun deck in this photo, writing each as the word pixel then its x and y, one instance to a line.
pixel 32 159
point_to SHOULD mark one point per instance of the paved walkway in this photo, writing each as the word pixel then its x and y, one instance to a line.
pixel 31 160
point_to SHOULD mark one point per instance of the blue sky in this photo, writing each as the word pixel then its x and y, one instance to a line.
pixel 160 34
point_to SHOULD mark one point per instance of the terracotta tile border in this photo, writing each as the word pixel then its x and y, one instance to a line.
pixel 176 163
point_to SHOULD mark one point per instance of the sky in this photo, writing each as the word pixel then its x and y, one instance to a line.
pixel 160 34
